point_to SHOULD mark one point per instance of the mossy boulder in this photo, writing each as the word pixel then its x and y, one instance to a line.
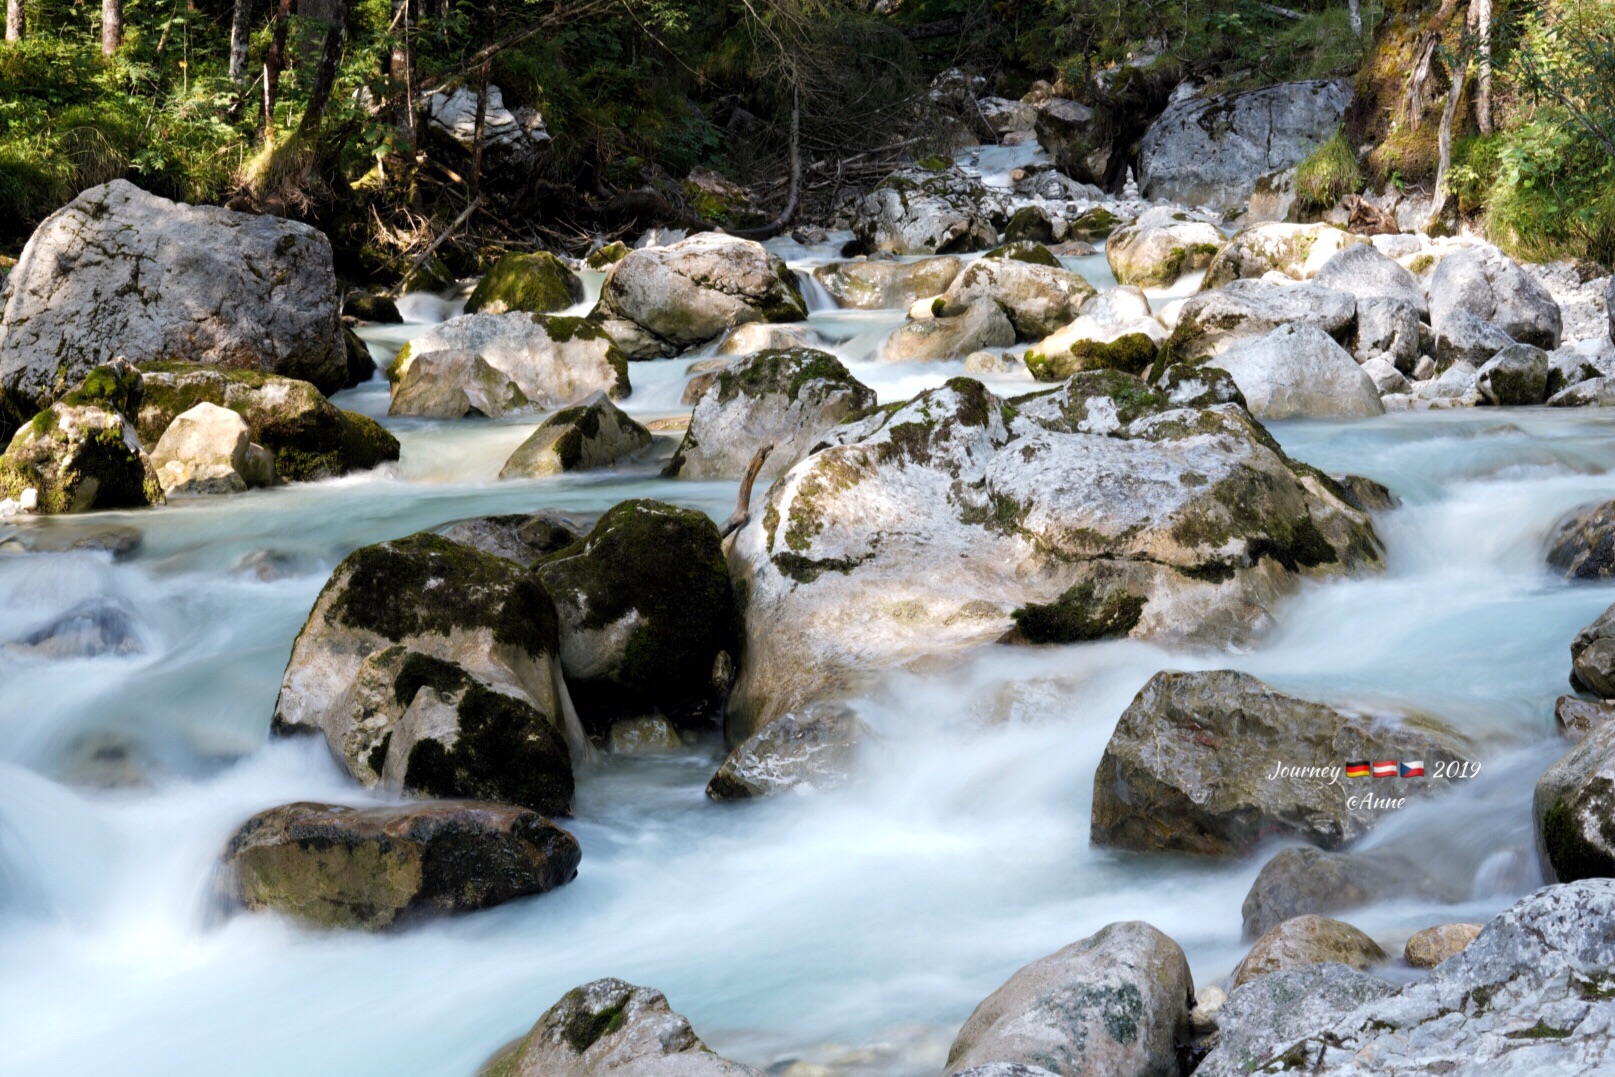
pixel 1029 223
pixel 880 285
pixel 1037 299
pixel 1161 246
pixel 536 283
pixel 1517 376
pixel 1211 323
pixel 607 255
pixel 1131 353
pixel 647 617
pixel 432 275
pixel 593 434
pixel 1025 250
pixel 523 538
pixel 309 437
pixel 386 867
pixel 381 309
pixel 1094 224
pixel 1574 809
pixel 785 398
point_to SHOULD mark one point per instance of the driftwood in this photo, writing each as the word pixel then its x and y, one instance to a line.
pixel 742 514
pixel 420 259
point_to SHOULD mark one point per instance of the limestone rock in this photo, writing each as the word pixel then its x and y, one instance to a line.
pixel 1270 1012
pixel 514 140
pixel 1308 940
pixel 1574 809
pixel 1492 287
pixel 1296 250
pixel 1430 947
pixel 1592 657
pixel 760 337
pixel 535 283
pixel 1298 371
pixel 877 285
pixel 521 537
pixel 586 436
pixel 1161 246
pixel 928 208
pixel 1037 299
pixel 810 751
pixel 1463 337
pixel 979 327
pixel 1212 322
pixel 1363 271
pixel 1576 717
pixel 1516 376
pixel 1069 132
pixel 204 451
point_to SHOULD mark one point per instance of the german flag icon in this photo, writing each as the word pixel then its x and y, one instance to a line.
pixel 1358 770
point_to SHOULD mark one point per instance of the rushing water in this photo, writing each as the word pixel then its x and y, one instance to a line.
pixel 855 928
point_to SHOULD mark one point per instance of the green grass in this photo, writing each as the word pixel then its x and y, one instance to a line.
pixel 1327 175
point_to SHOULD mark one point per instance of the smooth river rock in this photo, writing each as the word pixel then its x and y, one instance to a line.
pixel 805 752
pixel 1300 372
pixel 1161 246
pixel 1574 809
pixel 877 285
pixel 586 436
pixel 1308 940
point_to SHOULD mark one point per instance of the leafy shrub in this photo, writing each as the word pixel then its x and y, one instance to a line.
pixel 1327 175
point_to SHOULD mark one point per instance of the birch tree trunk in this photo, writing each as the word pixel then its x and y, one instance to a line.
pixel 13 20
pixel 111 26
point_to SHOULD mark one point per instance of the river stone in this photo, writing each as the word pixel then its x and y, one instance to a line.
pixel 1104 336
pixel 1592 657
pixel 536 283
pixel 1388 328
pixel 203 451
pixel 1576 717
pixel 308 436
pixel 1530 997
pixel 805 752
pixel 1456 387
pixel 1296 882
pixel 979 327
pixel 1515 376
pixel 1430 947
pixel 1591 393
pixel 609 1028
pixel 120 273
pixel 1299 372
pixel 1464 338
pixel 1487 284
pixel 921 209
pixel 1386 378
pixel 586 436
pixel 1187 767
pixel 1192 385
pixel 643 736
pixel 1068 131
pixel 1003 1069
pixel 647 616
pixel 660 300
pixel 1096 509
pixel 1212 322
pixel 374 868
pixel 521 537
pixel 880 285
pixel 1161 246
pixel 1115 1004
pixel 759 337
pixel 502 364
pixel 1308 940
pixel 787 399
pixel 1037 299
pixel 1272 1011
pixel 92 629
pixel 1296 250
pixel 371 307
pixel 1574 809
pixel 1363 271
pixel 352 672
pixel 1208 151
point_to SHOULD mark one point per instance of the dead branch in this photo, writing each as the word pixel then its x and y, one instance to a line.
pixel 742 513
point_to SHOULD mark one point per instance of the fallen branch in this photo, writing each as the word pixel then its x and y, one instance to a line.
pixel 742 513
pixel 420 259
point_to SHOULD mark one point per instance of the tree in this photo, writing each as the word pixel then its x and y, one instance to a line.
pixel 240 31
pixel 13 20
pixel 111 26
pixel 325 75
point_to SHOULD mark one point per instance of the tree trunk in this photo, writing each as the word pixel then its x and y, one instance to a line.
pixel 325 77
pixel 1482 10
pixel 482 107
pixel 13 20
pixel 275 63
pixel 1455 93
pixel 111 26
pixel 240 30
pixel 1355 8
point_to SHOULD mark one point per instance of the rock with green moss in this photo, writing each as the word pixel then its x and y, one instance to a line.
pixel 1197 385
pixel 607 255
pixel 524 538
pixel 1131 353
pixel 1574 809
pixel 1161 246
pixel 810 751
pixel 1188 767
pixel 609 1028
pixel 660 300
pixel 882 285
pixel 308 436
pixel 920 210
pixel 1115 330
pixel 1029 223
pixel 593 434
pixel 535 283
pixel 1297 251
pixel 1211 323
pixel 432 275
pixel 647 616
pixel 387 867
pixel 505 364
pixel 922 527
pixel 381 309
pixel 1025 250
pixel 785 398
pixel 980 326
pixel 1114 1003
pixel 1094 224
pixel 422 614
pixel 1037 299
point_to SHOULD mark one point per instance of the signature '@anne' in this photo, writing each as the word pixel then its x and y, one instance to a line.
pixel 1332 775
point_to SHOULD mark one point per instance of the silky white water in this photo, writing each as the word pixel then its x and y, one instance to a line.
pixel 856 928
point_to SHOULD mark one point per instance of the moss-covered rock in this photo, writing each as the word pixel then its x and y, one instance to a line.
pixel 1031 224
pixel 1025 250
pixel 607 255
pixel 1131 353
pixel 920 210
pixel 593 434
pixel 1297 251
pixel 432 275
pixel 536 283
pixel 1574 810
pixel 647 616
pixel 1160 247
pixel 381 309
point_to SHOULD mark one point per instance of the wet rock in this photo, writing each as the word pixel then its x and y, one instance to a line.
pixel 1115 1003
pixel 1188 767
pixel 1269 1013
pixel 118 272
pixel 813 750
pixel 586 436
pixel 204 451
pixel 1366 494
pixel 535 283
pixel 928 208
pixel 762 336
pixel 1212 322
pixel 1296 250
pixel 607 255
pixel 1575 717
pixel 1430 947
pixel 92 629
pixel 522 538
pixel 1574 809
pixel 1037 299
pixel 877 285
pixel 979 327
pixel 1517 376
pixel 380 309
pixel 81 453
pixel 504 364
pixel 1298 371
pixel 1130 353
pixel 1583 544
pixel 1308 940
pixel 1592 393
pixel 374 868
pixel 116 540
pixel 1296 882
pixel 308 437
pixel 988 363
pixel 1492 287
pixel 787 399
pixel 647 616
pixel 1592 657
pixel 1464 338
pixel 641 736
pixel 1030 224
pixel 1161 246
pixel 609 1028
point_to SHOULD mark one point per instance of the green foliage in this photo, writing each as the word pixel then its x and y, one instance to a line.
pixel 1327 175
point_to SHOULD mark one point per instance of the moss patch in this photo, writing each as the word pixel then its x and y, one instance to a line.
pixel 1131 353
pixel 1025 251
pixel 506 751
pixel 1079 615
pixel 535 283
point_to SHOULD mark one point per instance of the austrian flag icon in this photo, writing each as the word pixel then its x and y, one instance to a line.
pixel 1413 770
pixel 1385 769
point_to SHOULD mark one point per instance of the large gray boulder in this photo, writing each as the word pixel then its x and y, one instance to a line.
pixel 1214 762
pixel 787 399
pixel 1037 299
pixel 658 301
pixel 1212 322
pixel 593 434
pixel 1210 151
pixel 1115 1004
pixel 1491 286
pixel 1463 337
pixel 879 285
pixel 513 140
pixel 1266 1015
pixel 1592 657
pixel 805 752
pixel 929 208
pixel 118 273
pixel 1160 246
pixel 1073 136
pixel 1574 809
pixel 1298 371
pixel 1363 271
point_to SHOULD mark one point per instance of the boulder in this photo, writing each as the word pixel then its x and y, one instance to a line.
pixel 369 307
pixel 928 208
pixel 609 1028
pixel 806 752
pixel 1386 378
pixel 503 364
pixel 1270 1012
pixel 1456 387
pixel 1388 328
pixel 1094 509
pixel 879 285
pixel 606 255
pixel 1296 250
pixel 759 337
pixel 1484 282
pixel 205 451
pixel 1515 376
pixel 1115 1004
pixel 1299 372
pixel 522 538
pixel 1575 717
pixel 1215 762
pixel 647 616
pixel 1464 338
pixel 308 437
pixel 979 327
pixel 1592 657
pixel 660 300
pixel 1212 322
pixel 643 736
pixel 1037 299
pixel 120 273
pixel 374 868
pixel 1430 947
pixel 1592 393
pixel 1296 882
pixel 422 639
pixel 1308 940
pixel 787 399
pixel 1130 353
pixel 91 629
pixel 1112 331
pixel 1210 150
pixel 1574 809
pixel 593 434
pixel 514 141
pixel 1361 270
pixel 1583 544
pixel 1161 246
pixel 1068 130
pixel 1031 224
pixel 535 283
